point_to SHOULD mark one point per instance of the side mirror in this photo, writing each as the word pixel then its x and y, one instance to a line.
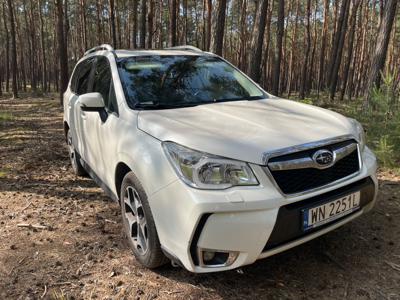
pixel 91 102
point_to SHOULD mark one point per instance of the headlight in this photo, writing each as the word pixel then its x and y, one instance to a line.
pixel 206 171
pixel 360 133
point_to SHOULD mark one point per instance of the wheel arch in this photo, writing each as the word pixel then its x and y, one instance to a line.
pixel 66 128
pixel 120 171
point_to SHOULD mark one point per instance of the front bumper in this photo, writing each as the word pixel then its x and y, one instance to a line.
pixel 255 222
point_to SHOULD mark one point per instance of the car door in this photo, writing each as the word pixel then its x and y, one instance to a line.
pixel 105 123
pixel 79 86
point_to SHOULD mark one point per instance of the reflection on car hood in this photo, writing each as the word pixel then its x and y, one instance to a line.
pixel 244 130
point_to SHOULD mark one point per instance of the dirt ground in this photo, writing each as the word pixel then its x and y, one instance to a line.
pixel 77 251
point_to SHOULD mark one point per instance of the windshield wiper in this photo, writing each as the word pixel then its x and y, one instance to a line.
pixel 164 105
pixel 240 99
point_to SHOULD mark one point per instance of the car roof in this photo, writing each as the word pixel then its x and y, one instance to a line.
pixel 129 53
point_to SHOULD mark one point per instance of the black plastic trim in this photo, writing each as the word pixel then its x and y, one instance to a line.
pixel 98 181
pixel 196 236
pixel 288 225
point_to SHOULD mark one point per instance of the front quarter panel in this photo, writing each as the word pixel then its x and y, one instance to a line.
pixel 144 155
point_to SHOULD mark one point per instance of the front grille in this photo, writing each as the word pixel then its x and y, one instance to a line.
pixel 299 180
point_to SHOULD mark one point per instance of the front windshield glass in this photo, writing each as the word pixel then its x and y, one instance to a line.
pixel 156 82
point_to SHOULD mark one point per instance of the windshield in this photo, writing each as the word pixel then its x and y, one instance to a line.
pixel 156 82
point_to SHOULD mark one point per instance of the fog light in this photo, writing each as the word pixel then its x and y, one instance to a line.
pixel 231 258
pixel 210 258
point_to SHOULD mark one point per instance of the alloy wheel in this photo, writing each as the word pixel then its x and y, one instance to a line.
pixel 135 220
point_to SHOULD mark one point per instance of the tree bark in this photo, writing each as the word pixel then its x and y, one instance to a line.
pixel 42 46
pixel 172 23
pixel 135 23
pixel 98 22
pixel 334 77
pixel 308 48
pixel 7 37
pixel 13 50
pixel 324 38
pixel 112 23
pixel 209 23
pixel 293 49
pixel 217 41
pixel 382 42
pixel 278 56
pixel 150 25
pixel 62 50
pixel 143 24
pixel 353 18
pixel 243 36
pixel 257 40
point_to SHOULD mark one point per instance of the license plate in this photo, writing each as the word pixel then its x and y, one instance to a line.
pixel 330 211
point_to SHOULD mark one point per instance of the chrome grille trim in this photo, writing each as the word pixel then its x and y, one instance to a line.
pixel 297 148
pixel 308 162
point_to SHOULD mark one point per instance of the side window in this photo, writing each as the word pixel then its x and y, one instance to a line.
pixel 103 83
pixel 83 76
pixel 75 78
pixel 113 99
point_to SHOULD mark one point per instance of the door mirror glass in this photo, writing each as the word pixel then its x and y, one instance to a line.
pixel 91 102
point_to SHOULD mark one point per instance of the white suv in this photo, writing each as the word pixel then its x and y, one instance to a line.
pixel 211 172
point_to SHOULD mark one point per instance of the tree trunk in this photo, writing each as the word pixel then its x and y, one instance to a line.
pixel 135 23
pixel 382 42
pixel 172 23
pixel 143 24
pixel 42 46
pixel 13 50
pixel 32 18
pixel 160 25
pixel 278 56
pixel 292 51
pixel 243 36
pixel 324 38
pixel 334 77
pixel 340 26
pixel 209 23
pixel 308 48
pixel 257 40
pixel 217 41
pixel 98 22
pixel 353 18
pixel 62 50
pixel 112 23
pixel 150 25
pixel 7 37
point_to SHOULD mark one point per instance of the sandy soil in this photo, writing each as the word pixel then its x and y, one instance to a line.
pixel 76 250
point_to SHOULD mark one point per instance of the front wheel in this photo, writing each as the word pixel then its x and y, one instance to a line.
pixel 74 157
pixel 138 223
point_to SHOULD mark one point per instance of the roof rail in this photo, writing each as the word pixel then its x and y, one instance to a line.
pixel 99 48
pixel 184 47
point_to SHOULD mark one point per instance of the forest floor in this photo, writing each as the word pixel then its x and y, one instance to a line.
pixel 78 250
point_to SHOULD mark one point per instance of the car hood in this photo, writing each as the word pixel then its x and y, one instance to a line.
pixel 244 130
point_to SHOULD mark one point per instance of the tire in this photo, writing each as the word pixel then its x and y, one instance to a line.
pixel 74 157
pixel 138 224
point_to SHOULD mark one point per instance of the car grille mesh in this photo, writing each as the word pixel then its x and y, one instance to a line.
pixel 300 180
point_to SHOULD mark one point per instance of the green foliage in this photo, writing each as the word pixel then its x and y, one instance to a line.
pixel 4 116
pixel 381 122
pixel 385 151
pixel 307 101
